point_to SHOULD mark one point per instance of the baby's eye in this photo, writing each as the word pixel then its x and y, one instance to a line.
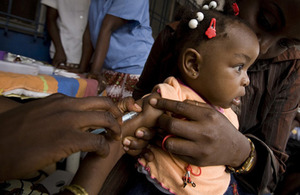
pixel 239 67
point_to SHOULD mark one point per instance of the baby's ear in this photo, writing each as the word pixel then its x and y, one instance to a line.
pixel 191 62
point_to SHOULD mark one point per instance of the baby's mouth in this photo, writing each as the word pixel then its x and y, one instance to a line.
pixel 236 101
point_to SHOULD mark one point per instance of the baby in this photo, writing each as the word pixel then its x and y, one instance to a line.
pixel 213 52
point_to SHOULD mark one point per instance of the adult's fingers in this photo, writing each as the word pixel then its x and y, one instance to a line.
pixel 83 121
pixel 101 119
pixel 184 150
pixel 196 103
pixel 179 146
pixel 181 128
pixel 96 103
pixel 187 110
pixel 62 102
pixel 88 142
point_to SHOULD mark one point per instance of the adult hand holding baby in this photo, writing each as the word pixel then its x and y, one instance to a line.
pixel 204 138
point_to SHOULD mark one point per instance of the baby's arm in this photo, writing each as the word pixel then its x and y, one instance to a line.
pixel 94 169
pixel 146 118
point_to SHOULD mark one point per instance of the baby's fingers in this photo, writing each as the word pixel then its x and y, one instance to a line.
pixel 132 143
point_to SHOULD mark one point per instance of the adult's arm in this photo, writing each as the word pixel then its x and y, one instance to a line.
pixel 53 30
pixel 296 121
pixel 110 23
pixel 42 132
pixel 87 50
pixel 94 169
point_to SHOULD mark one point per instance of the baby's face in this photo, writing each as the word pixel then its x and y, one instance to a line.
pixel 223 73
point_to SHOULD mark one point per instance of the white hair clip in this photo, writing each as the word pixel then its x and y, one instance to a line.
pixel 200 16
pixel 211 5
pixel 193 23
pixel 205 7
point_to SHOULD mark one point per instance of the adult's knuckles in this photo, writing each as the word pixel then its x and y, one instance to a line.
pixel 60 101
pixel 66 118
pixel 109 119
pixel 107 102
pixel 98 143
pixel 101 146
pixel 174 106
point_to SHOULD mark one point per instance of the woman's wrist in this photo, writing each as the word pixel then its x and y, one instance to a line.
pixel 248 164
pixel 74 189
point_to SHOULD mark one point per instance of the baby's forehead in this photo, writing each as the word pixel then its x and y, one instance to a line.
pixel 237 27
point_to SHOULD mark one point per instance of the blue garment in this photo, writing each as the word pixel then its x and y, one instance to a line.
pixel 130 44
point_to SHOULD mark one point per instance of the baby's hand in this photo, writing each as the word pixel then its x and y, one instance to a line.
pixel 146 118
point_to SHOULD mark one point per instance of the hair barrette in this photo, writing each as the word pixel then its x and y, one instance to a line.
pixel 236 9
pixel 211 5
pixel 211 30
pixel 193 23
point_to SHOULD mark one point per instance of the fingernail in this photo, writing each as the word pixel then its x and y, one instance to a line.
pixel 126 142
pixel 125 148
pixel 137 107
pixel 153 101
pixel 140 133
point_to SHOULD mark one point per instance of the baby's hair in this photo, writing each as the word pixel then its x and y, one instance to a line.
pixel 170 41
pixel 187 37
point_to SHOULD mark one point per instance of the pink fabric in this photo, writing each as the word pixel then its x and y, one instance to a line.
pixel 168 170
pixel 91 88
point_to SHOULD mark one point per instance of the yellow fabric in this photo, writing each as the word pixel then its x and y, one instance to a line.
pixel 37 86
pixel 10 81
pixel 169 170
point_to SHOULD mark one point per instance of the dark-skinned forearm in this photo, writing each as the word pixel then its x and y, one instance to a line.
pixel 94 169
pixel 101 51
pixel 52 15
pixel 109 25
pixel 87 50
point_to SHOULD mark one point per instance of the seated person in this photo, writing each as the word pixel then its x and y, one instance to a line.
pixel 217 78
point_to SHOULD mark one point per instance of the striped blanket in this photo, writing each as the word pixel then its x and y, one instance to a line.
pixel 31 86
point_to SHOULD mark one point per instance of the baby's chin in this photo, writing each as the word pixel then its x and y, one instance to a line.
pixel 236 101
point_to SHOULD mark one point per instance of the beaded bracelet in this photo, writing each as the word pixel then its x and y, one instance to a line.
pixel 75 189
pixel 248 164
